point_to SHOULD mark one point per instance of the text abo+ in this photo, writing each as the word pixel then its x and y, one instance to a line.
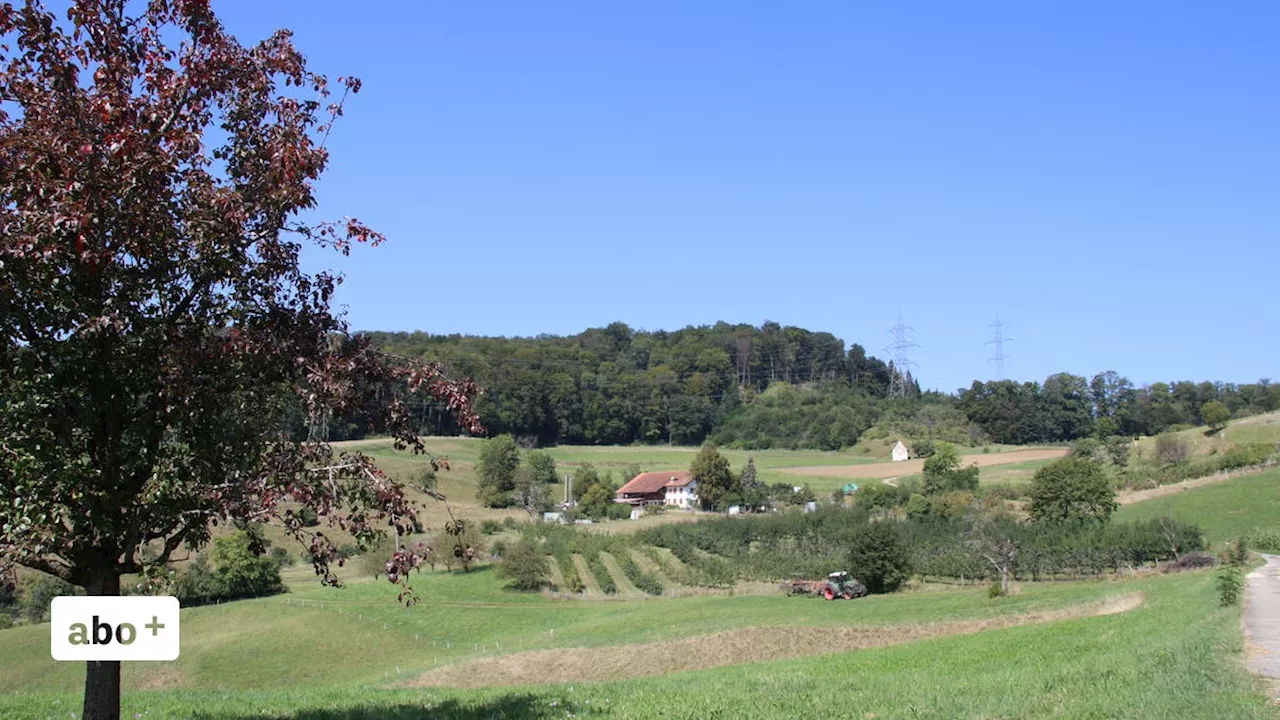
pixel 114 628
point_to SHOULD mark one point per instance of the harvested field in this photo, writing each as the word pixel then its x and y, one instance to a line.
pixel 734 647
pixel 875 471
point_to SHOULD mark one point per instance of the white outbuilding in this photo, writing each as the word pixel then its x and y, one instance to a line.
pixel 900 452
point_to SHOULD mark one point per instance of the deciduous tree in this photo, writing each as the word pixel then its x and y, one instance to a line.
pixel 157 332
pixel 1072 489
pixel 1215 414
pixel 499 459
pixel 715 480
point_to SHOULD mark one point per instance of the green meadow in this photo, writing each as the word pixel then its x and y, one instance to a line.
pixel 318 653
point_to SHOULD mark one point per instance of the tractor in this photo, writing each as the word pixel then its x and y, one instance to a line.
pixel 841 584
pixel 837 585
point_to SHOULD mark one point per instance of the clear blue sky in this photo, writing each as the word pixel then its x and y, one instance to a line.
pixel 1105 176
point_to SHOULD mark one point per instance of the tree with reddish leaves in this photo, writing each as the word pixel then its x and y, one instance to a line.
pixel 156 330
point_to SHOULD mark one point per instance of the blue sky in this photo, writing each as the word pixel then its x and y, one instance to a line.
pixel 1104 176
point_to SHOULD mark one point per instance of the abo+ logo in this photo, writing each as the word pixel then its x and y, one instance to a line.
pixel 114 628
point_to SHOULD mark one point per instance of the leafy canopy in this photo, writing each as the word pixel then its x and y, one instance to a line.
pixel 158 336
pixel 715 479
pixel 1072 489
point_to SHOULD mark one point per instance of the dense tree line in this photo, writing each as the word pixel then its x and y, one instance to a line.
pixel 775 386
pixel 1067 407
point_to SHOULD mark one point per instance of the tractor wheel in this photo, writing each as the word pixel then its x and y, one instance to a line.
pixel 848 594
pixel 828 594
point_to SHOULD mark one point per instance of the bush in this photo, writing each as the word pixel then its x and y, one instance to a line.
pixel 994 590
pixel 1230 585
pixel 1215 414
pixel 1172 448
pixel 6 621
pixel 509 523
pixel 282 557
pixel 524 566
pixel 240 573
pixel 236 572
pixel 922 448
pixel 879 557
pixel 38 591
pixel 490 527
pixel 308 517
pixel 917 506
pixel 1086 449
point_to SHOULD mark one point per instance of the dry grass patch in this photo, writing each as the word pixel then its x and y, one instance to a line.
pixel 733 647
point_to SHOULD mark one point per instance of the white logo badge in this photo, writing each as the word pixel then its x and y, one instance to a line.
pixel 114 628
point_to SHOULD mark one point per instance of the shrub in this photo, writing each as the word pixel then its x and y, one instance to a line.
pixel 524 566
pixel 942 471
pixel 490 527
pixel 282 557
pixel 1003 491
pixel 922 448
pixel 308 517
pixel 509 523
pixel 6 621
pixel 917 506
pixel 1118 449
pixel 994 590
pixel 1086 449
pixel 1230 585
pixel 879 558
pixel 240 573
pixel 38 591
pixel 1215 414
pixel 1172 448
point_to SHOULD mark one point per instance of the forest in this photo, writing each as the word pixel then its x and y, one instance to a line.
pixel 775 386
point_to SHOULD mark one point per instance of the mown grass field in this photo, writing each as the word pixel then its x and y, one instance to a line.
pixel 320 653
pixel 1223 510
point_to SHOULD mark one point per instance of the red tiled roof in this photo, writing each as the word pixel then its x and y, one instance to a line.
pixel 652 482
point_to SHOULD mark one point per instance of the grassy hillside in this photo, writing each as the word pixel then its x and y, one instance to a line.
pixel 341 654
pixel 1257 429
pixel 1224 510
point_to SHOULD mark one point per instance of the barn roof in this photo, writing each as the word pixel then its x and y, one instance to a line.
pixel 652 482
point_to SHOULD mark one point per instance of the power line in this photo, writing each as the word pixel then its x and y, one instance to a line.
pixel 901 361
pixel 999 340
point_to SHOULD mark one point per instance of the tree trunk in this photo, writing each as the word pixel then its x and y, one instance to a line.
pixel 102 678
pixel 1004 581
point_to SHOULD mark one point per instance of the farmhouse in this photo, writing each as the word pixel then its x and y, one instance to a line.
pixel 671 487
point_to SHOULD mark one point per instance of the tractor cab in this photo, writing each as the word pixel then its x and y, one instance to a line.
pixel 841 584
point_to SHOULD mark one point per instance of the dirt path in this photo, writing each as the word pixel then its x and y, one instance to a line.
pixel 876 471
pixel 1262 619
pixel 732 647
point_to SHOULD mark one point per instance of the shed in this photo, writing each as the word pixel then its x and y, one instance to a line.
pixel 900 452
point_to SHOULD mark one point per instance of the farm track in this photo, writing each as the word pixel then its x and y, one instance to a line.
pixel 733 647
pixel 877 471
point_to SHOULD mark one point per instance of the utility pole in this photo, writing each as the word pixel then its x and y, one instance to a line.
pixel 901 361
pixel 999 340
